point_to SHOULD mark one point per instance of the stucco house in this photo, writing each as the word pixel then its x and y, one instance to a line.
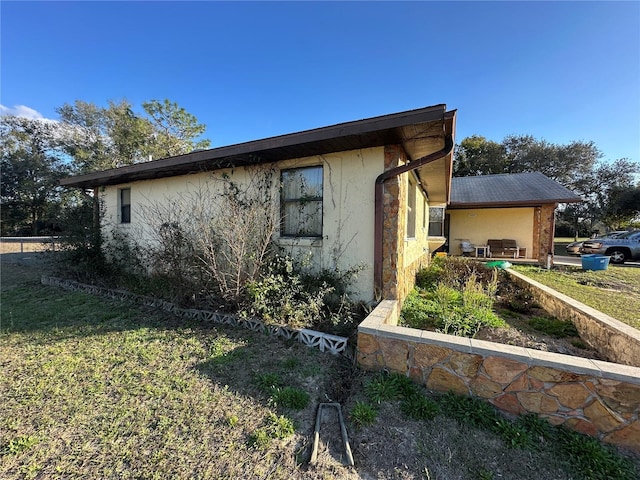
pixel 355 193
pixel 517 206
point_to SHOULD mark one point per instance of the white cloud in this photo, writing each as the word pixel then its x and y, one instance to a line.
pixel 21 111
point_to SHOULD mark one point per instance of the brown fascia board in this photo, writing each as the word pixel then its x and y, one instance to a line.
pixel 450 127
pixel 530 203
pixel 370 132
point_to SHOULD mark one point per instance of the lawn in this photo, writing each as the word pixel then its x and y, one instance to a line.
pixel 91 388
pixel 615 291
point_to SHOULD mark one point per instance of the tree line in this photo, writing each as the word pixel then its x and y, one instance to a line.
pixel 37 153
pixel 86 137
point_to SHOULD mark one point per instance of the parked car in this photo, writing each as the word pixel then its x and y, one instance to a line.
pixel 575 248
pixel 625 247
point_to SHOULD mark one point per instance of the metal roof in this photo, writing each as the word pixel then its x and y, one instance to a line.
pixel 515 189
pixel 417 130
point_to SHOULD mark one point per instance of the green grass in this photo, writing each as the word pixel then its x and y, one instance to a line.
pixel 363 414
pixel 97 389
pixel 615 291
pixel 554 327
pixel 91 388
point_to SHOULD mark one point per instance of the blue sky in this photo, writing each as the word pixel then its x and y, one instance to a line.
pixel 558 71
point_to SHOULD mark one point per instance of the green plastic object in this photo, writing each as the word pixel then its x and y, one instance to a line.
pixel 501 264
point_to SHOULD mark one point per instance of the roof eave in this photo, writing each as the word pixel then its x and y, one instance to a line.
pixel 515 203
pixel 373 131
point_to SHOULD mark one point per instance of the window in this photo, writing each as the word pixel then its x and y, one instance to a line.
pixel 125 205
pixel 411 210
pixel 301 202
pixel 436 221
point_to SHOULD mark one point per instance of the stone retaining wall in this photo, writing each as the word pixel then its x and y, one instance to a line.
pixel 597 398
pixel 617 341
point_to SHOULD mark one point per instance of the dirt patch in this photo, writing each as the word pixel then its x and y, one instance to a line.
pixel 520 334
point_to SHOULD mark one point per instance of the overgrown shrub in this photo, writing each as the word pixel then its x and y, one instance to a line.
pixel 213 248
pixel 454 272
pixel 517 299
pixel 289 294
pixel 457 311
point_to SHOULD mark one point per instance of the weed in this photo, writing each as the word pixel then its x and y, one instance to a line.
pixel 471 410
pixel 454 307
pixel 260 439
pixel 232 420
pixel 291 363
pixel 593 460
pixel 279 426
pixel 419 310
pixel 289 397
pixel 267 381
pixel 381 387
pixel 275 427
pixel 554 327
pixel 404 385
pixel 513 434
pixel 19 445
pixel 419 407
pixel 363 414
pixel 517 299
pixel 484 474
pixel 536 426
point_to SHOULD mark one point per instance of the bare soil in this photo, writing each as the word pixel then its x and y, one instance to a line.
pixel 520 334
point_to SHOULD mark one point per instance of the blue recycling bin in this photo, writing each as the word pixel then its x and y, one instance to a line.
pixel 595 262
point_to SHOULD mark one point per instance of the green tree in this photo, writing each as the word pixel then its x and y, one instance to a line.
pixel 175 129
pixel 100 138
pixel 576 165
pixel 476 155
pixel 622 208
pixel 32 165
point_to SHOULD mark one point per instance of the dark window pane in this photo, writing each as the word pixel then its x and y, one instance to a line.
pixel 301 206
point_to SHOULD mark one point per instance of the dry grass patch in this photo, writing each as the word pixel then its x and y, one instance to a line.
pixel 98 389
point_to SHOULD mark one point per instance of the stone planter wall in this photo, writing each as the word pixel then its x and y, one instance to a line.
pixel 597 398
pixel 618 342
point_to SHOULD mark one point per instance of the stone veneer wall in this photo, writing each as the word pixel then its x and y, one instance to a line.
pixel 617 341
pixel 395 217
pixel 544 226
pixel 397 280
pixel 597 398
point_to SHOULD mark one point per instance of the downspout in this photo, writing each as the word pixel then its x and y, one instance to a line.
pixel 379 213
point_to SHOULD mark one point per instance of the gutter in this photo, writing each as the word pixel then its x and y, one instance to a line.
pixel 379 214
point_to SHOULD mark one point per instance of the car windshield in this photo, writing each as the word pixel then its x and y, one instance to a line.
pixel 627 235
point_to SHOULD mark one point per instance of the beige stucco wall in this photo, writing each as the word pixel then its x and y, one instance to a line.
pixel 348 208
pixel 480 224
pixel 416 247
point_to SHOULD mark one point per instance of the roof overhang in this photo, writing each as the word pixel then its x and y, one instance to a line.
pixel 435 177
pixel 419 131
pixel 506 204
